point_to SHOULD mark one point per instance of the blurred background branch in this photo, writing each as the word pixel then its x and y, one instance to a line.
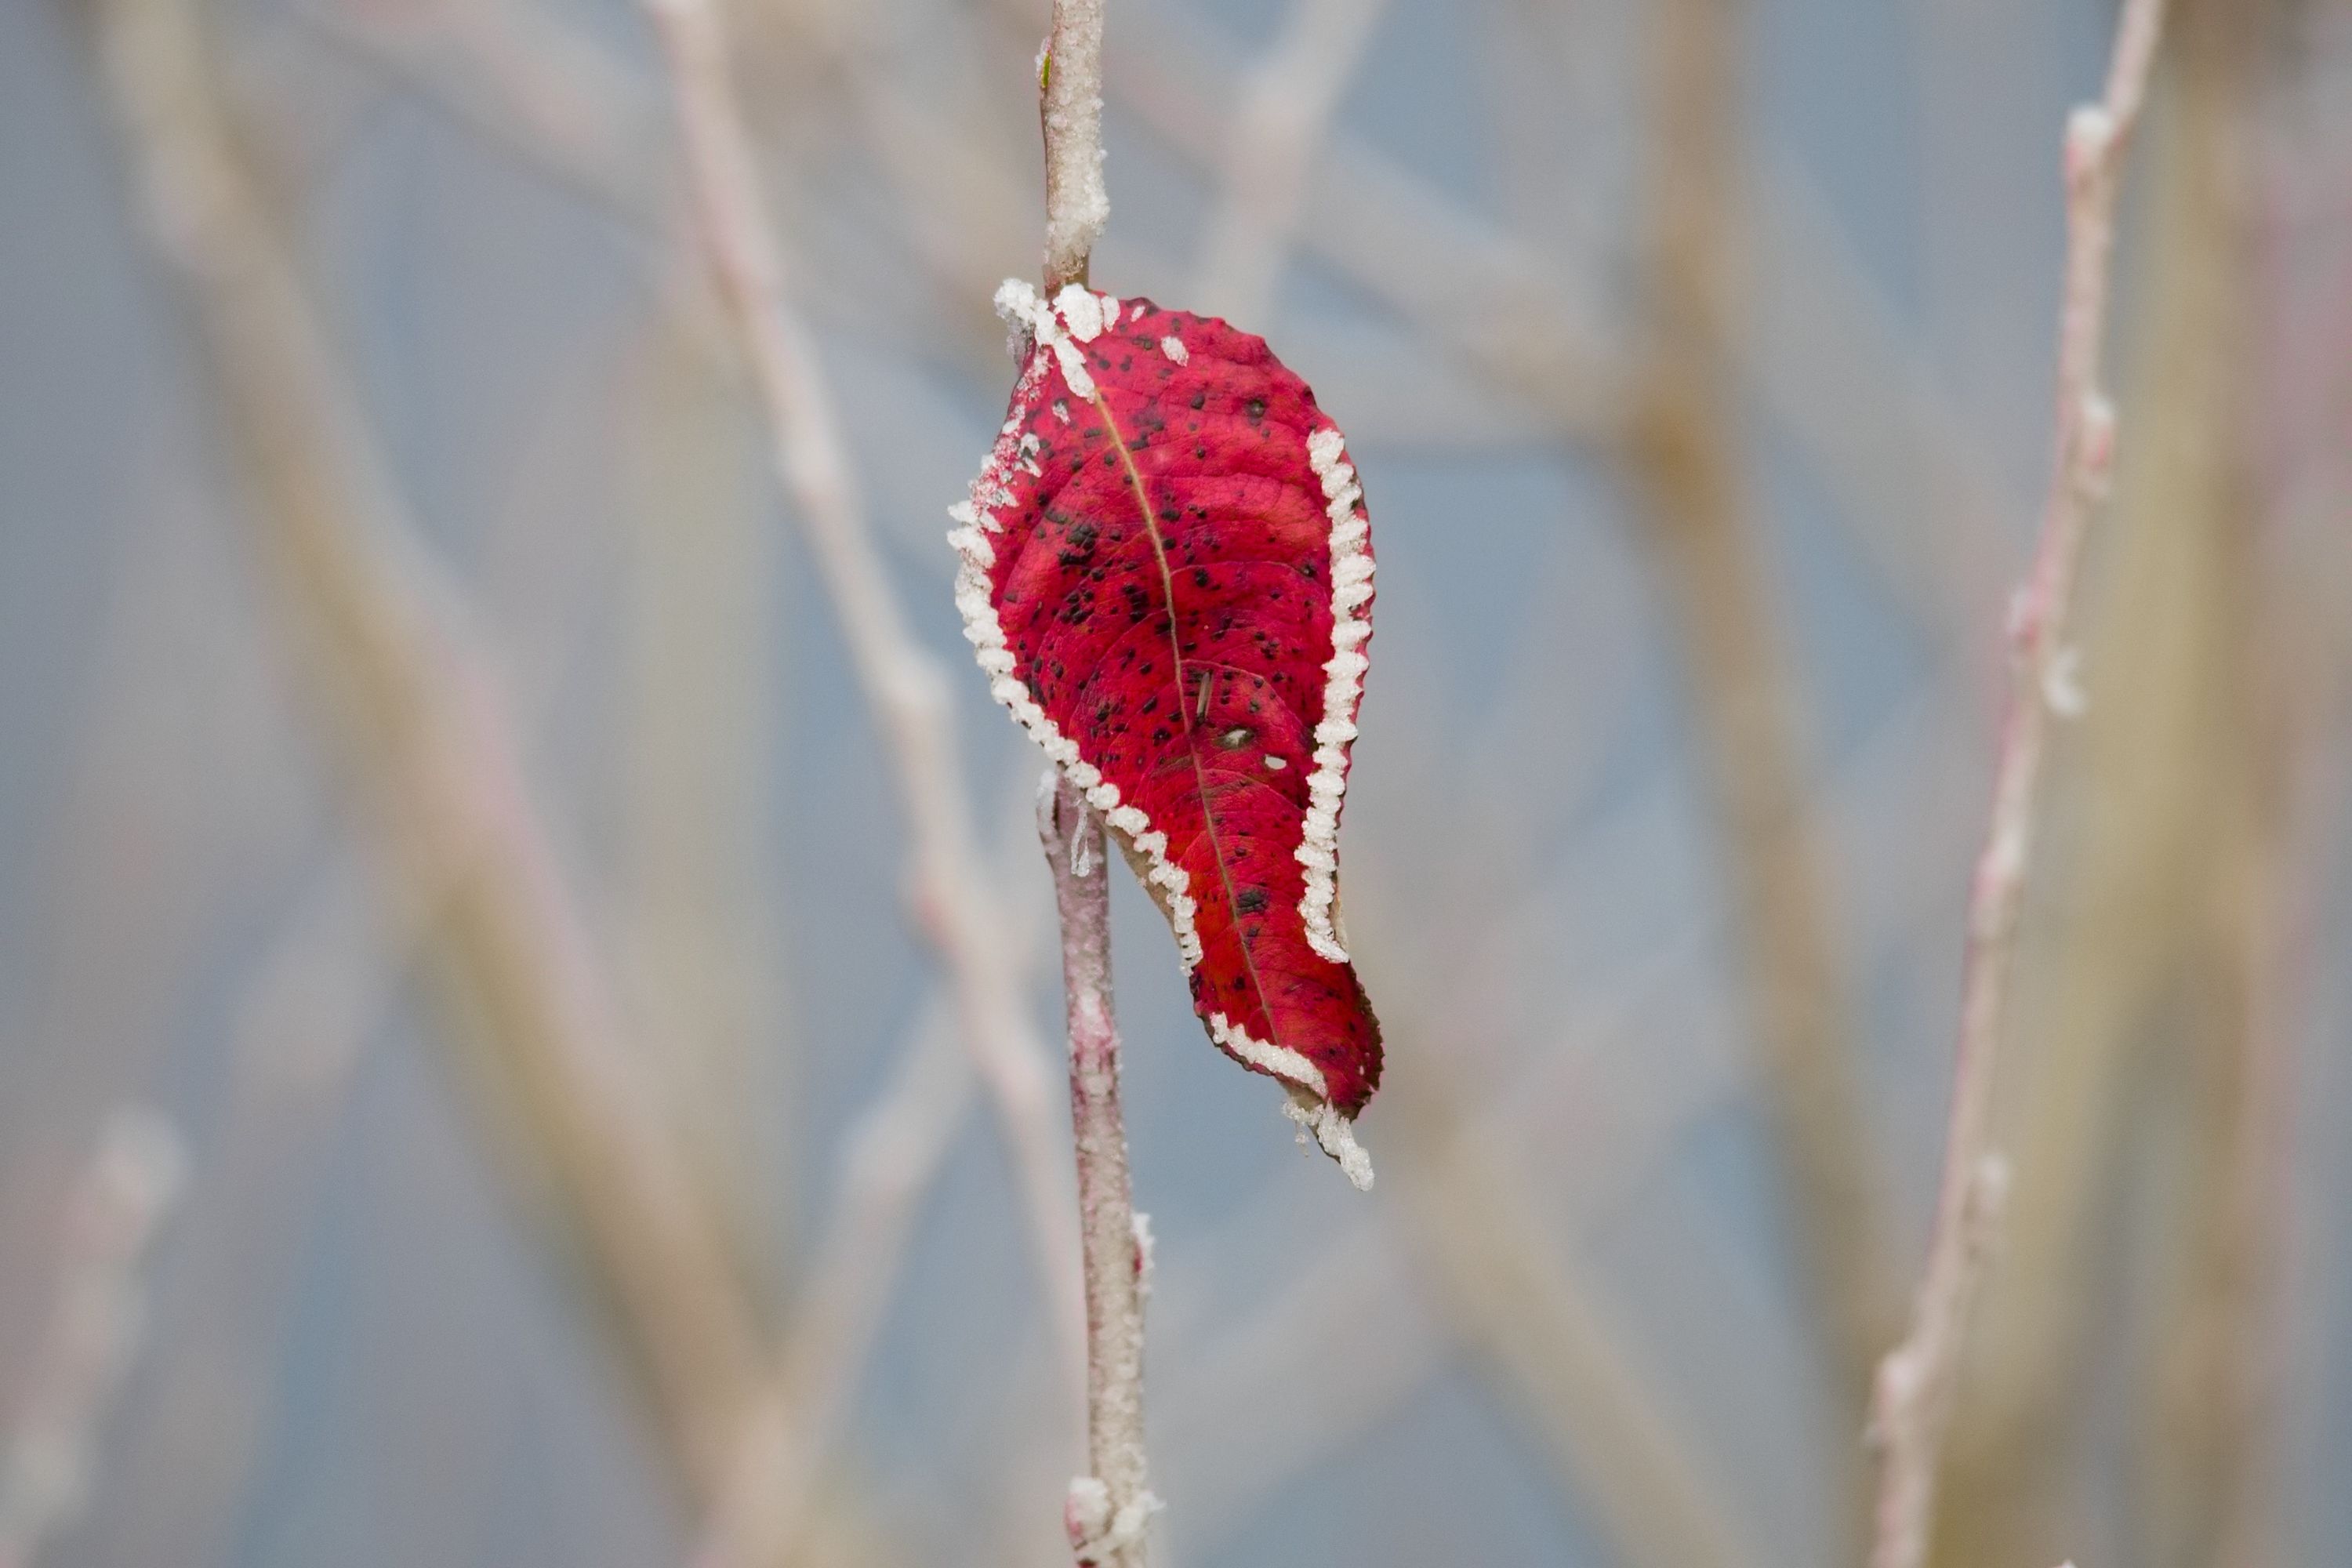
pixel 1683 444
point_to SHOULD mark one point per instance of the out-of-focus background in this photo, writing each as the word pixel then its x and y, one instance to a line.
pixel 476 1081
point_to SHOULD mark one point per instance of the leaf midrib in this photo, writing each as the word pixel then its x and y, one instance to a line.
pixel 1192 749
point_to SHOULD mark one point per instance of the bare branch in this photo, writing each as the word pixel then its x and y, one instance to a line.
pixel 1551 1348
pixel 1110 1508
pixel 891 1158
pixel 1917 1379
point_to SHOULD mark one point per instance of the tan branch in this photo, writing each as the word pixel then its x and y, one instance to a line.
pixel 1110 1508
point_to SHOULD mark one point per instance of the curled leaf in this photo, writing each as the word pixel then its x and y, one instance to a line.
pixel 1168 575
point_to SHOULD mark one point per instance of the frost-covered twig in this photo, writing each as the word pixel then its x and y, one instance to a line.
pixel 1290 97
pixel 94 1331
pixel 1069 107
pixel 1516 317
pixel 903 683
pixel 1916 1380
pixel 1109 1509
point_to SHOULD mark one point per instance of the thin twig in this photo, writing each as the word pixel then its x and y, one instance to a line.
pixel 2116 1120
pixel 1917 1379
pixel 297 1035
pixel 1069 107
pixel 522 75
pixel 1109 1512
pixel 1110 1508
pixel 904 685
pixel 1351 1300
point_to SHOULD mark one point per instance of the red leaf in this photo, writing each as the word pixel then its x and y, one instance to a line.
pixel 1168 575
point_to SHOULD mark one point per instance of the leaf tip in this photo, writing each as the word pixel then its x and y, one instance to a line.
pixel 1334 1132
